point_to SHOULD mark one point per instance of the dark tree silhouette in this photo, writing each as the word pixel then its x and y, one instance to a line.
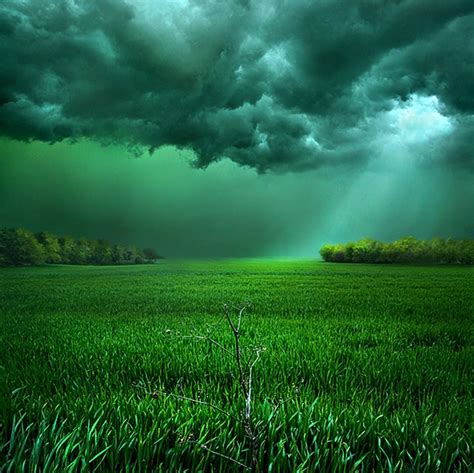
pixel 150 254
pixel 20 247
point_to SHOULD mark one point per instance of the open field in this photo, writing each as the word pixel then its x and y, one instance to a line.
pixel 376 361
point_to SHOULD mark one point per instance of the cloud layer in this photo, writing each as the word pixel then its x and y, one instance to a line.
pixel 281 85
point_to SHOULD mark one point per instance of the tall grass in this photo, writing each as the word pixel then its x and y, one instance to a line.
pixel 377 364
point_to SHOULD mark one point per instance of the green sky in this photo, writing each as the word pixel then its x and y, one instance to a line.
pixel 224 210
pixel 237 128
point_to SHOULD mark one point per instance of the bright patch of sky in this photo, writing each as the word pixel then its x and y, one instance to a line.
pixel 418 120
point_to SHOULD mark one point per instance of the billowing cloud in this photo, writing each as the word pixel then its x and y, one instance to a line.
pixel 282 85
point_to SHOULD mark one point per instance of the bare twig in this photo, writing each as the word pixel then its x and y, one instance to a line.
pixel 245 367
pixel 204 403
pixel 214 452
pixel 210 340
pixel 263 424
pixel 245 378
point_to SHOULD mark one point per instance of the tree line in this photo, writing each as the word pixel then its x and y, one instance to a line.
pixel 21 247
pixel 404 250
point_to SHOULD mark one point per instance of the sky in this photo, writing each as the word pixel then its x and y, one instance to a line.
pixel 237 128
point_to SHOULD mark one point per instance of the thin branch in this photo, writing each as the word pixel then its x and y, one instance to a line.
pixel 238 353
pixel 245 358
pixel 252 349
pixel 248 403
pixel 210 340
pixel 276 407
pixel 229 319
pixel 241 311
pixel 204 403
pixel 205 447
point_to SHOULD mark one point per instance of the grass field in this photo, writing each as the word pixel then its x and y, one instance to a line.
pixel 375 364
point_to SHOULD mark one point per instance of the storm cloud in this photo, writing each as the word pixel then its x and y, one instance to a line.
pixel 274 85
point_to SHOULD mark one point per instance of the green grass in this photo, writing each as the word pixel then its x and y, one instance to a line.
pixel 377 362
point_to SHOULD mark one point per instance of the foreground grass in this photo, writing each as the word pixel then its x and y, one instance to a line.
pixel 377 362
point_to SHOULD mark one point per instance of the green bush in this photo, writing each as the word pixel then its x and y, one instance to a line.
pixel 405 250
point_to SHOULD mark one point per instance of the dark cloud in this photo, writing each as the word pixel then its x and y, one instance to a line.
pixel 283 85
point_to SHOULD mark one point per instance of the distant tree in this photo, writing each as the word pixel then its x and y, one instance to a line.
pixel 327 252
pixel 365 251
pixel 3 248
pixel 466 251
pixel 51 246
pixel 118 254
pixel 102 252
pixel 339 254
pixel 349 249
pixel 82 251
pixel 387 253
pixel 68 249
pixel 150 254
pixel 135 255
pixel 405 250
pixel 20 248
